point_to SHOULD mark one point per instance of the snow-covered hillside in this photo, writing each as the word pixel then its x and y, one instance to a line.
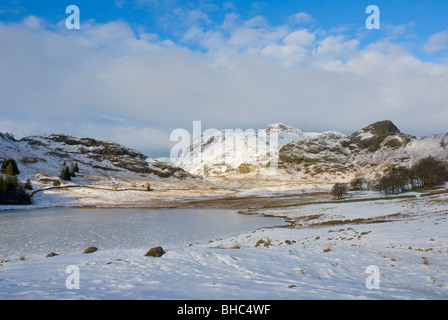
pixel 378 249
pixel 42 158
pixel 319 157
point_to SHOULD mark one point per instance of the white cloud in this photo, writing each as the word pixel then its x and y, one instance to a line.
pixel 302 38
pixel 256 22
pixel 396 31
pixel 301 18
pixel 437 42
pixel 142 87
pixel 290 54
pixel 31 22
pixel 336 46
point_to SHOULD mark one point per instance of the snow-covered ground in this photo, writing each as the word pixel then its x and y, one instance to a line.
pixel 377 249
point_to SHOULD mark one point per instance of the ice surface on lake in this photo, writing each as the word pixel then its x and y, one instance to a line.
pixel 67 230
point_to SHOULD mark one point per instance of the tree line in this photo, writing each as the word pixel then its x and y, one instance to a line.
pixel 11 190
pixel 426 173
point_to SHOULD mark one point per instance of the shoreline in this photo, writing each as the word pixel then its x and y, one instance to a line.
pixel 236 202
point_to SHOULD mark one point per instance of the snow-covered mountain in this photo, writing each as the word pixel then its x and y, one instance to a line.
pixel 368 152
pixel 312 156
pixel 43 157
pixel 229 151
pixel 278 151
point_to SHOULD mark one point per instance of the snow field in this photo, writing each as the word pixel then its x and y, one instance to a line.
pixel 310 262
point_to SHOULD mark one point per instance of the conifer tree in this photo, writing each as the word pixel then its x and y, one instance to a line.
pixel 65 174
pixel 14 169
pixel 2 189
pixel 9 169
pixel 72 172
pixel 28 185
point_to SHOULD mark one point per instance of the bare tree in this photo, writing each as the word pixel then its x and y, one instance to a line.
pixel 430 172
pixel 357 183
pixel 339 190
pixel 426 173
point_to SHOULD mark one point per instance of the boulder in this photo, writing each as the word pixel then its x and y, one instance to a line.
pixel 90 250
pixel 52 254
pixel 155 252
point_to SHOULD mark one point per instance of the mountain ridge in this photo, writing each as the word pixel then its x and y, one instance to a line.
pixel 319 157
pixel 325 157
pixel 46 155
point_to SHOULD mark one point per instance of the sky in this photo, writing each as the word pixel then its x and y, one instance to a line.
pixel 135 70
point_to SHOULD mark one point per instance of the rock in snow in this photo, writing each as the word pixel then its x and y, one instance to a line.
pixel 155 252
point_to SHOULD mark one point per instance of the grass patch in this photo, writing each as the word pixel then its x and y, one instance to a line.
pixel 265 243
pixel 341 201
pixel 433 193
pixel 380 219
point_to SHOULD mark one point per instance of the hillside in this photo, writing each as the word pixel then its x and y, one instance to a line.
pixel 318 157
pixel 42 158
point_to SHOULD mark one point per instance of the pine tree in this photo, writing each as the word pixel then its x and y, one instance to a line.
pixel 11 188
pixel 65 174
pixel 14 169
pixel 72 172
pixel 2 190
pixel 13 192
pixel 9 169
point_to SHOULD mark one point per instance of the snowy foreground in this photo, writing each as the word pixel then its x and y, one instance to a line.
pixel 378 249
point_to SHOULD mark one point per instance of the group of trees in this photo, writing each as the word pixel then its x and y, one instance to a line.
pixel 11 190
pixel 68 173
pixel 426 173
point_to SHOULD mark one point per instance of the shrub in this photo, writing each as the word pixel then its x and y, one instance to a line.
pixel 28 185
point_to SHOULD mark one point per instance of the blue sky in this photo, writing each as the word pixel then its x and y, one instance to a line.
pixel 168 17
pixel 137 69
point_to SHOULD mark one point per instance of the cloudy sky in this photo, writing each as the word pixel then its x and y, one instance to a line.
pixel 138 69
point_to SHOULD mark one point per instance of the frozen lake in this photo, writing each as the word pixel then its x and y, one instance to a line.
pixel 35 233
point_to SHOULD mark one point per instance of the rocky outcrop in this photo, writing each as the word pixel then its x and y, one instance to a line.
pixel 370 151
pixel 377 135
